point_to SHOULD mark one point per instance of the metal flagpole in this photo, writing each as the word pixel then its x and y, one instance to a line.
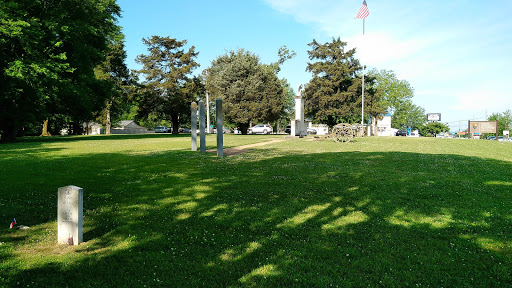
pixel 362 102
pixel 362 14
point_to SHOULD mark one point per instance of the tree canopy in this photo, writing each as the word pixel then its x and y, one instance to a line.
pixel 504 120
pixel 117 81
pixel 434 128
pixel 169 87
pixel 48 52
pixel 251 91
pixel 396 95
pixel 334 94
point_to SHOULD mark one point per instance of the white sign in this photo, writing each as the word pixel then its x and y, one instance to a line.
pixel 433 116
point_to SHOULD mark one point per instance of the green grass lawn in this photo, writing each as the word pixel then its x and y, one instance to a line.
pixel 390 212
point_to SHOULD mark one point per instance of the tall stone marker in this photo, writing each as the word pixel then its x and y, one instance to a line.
pixel 300 126
pixel 220 129
pixel 193 125
pixel 70 210
pixel 202 136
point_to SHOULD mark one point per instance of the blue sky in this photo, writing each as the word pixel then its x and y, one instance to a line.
pixel 456 54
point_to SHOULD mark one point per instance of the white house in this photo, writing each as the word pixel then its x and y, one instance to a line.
pixel 384 126
pixel 92 128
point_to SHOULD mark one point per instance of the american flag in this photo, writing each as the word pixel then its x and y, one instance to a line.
pixel 363 11
pixel 12 223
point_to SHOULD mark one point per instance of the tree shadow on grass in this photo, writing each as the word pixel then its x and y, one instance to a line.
pixel 341 219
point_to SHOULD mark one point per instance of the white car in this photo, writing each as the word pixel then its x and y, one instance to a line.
pixel 260 128
pixel 161 129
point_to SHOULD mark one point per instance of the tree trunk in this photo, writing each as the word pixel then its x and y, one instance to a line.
pixel 244 128
pixel 45 129
pixel 10 130
pixel 175 124
pixel 108 124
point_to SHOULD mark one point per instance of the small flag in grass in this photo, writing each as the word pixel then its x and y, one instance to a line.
pixel 12 223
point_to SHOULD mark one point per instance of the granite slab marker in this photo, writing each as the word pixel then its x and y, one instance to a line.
pixel 70 210
pixel 202 135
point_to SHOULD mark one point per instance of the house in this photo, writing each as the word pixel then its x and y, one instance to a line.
pixel 89 128
pixel 129 127
pixel 93 128
pixel 384 126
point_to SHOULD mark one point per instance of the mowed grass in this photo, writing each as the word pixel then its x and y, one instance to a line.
pixel 390 212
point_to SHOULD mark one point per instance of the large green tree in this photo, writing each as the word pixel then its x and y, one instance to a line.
pixel 396 95
pixel 334 94
pixel 392 91
pixel 48 53
pixel 251 91
pixel 118 83
pixel 504 120
pixel 408 115
pixel 169 86
pixel 434 128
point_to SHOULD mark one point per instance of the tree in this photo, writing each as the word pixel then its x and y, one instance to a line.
pixel 251 91
pixel 408 115
pixel 117 81
pixel 392 91
pixel 434 128
pixel 85 28
pixel 504 120
pixel 397 96
pixel 288 111
pixel 334 93
pixel 169 88
pixel 48 51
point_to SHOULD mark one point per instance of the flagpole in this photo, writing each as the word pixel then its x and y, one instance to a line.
pixel 362 101
pixel 362 14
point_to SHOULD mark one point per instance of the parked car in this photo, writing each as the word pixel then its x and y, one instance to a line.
pixel 401 133
pixel 288 129
pixel 311 131
pixel 161 129
pixel 260 128
pixel 224 130
pixel 184 130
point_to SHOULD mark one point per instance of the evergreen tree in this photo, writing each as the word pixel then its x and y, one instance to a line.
pixel 334 93
pixel 251 91
pixel 169 88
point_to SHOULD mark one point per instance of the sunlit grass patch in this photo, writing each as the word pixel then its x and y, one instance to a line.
pixel 408 219
pixel 304 216
pixel 263 272
pixel 354 217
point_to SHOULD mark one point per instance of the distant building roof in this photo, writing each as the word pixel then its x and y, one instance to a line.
pixel 123 123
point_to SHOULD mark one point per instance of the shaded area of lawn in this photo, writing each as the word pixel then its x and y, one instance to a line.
pixel 175 218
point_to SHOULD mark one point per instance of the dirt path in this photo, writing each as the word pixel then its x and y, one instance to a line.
pixel 242 149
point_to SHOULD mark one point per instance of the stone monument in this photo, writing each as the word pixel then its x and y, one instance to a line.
pixel 298 127
pixel 70 209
